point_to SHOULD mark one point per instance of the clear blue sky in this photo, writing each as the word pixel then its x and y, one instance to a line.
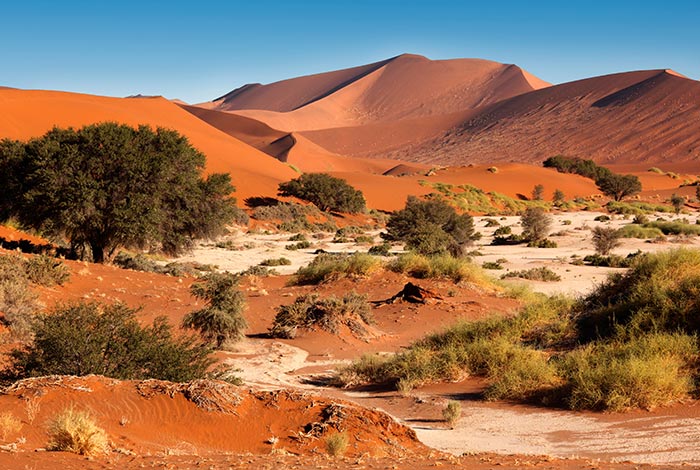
pixel 198 50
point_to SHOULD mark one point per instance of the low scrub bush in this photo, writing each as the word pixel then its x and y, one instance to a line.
pixel 298 246
pixel 452 412
pixel 327 266
pixel 525 375
pixel 337 444
pixel 643 372
pixel 311 311
pixel 380 250
pixel 492 265
pixel 46 271
pixel 639 231
pixel 9 425
pixel 76 431
pixel 439 266
pixel 545 243
pixel 276 262
pixel 675 228
pixel 636 208
pixel 535 274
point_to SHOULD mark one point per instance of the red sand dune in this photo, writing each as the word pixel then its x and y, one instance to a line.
pixel 403 87
pixel 642 118
pixel 25 114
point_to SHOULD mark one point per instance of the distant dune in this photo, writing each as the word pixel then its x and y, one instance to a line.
pixel 25 114
pixel 404 87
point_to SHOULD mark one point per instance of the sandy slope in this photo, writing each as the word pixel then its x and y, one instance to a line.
pixel 646 117
pixel 25 114
pixel 403 87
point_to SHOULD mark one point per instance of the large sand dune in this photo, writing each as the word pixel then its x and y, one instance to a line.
pixel 403 87
pixel 25 114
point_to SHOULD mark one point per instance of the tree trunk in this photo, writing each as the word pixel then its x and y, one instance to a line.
pixel 98 251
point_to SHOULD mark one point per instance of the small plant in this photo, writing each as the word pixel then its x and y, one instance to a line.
pixel 602 218
pixel 535 274
pixel 452 412
pixel 76 431
pixel 566 222
pixel 492 265
pixel 558 198
pixel 327 266
pixel 298 246
pixel 337 444
pixel 276 262
pixel 605 239
pixel 46 271
pixel 489 222
pixel 538 192
pixel 298 237
pixel 380 250
pixel 545 243
pixel 677 202
pixel 502 231
pixel 9 425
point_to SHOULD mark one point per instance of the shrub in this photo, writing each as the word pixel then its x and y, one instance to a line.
pixel 17 301
pixel 380 250
pixel 260 271
pixel 638 231
pixel 526 375
pixel 9 425
pixel 76 431
pixel 558 197
pixel 327 266
pixel 309 311
pixel 545 243
pixel 298 246
pixel 276 262
pixel 489 222
pixel 492 265
pixel 645 372
pixel 675 228
pixel 602 218
pixel 46 271
pixel 325 192
pixel 298 237
pixel 452 412
pixel 89 338
pixel 337 444
pixel 619 186
pixel 108 186
pixel 538 192
pixel 222 318
pixel 586 168
pixel 492 169
pixel 501 231
pixel 611 261
pixel 660 293
pixel 431 226
pixel 446 266
pixel 535 274
pixel 536 223
pixel 677 202
pixel 605 239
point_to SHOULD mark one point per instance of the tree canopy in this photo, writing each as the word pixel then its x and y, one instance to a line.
pixel 109 185
pixel 326 192
pixel 619 187
pixel 431 226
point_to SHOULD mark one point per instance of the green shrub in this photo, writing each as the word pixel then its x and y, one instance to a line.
pixel 76 431
pixel 489 222
pixel 611 261
pixel 364 239
pixel 298 246
pixel 638 231
pixel 294 217
pixel 534 274
pixel 437 266
pixel 89 338
pixel 309 311
pixel 380 250
pixel 675 228
pixel 298 237
pixel 602 218
pixel 222 318
pixel 605 239
pixel 326 192
pixel 260 271
pixel 501 231
pixel 452 412
pixel 491 265
pixel 545 243
pixel 635 207
pixel 276 262
pixel 327 266
pixel 644 373
pixel 526 375
pixel 46 271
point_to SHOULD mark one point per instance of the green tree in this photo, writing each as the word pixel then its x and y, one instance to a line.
pixel 619 187
pixel 431 226
pixel 558 197
pixel 677 202
pixel 222 318
pixel 326 192
pixel 108 186
pixel 536 223
pixel 89 338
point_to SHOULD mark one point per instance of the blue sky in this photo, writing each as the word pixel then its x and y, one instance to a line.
pixel 198 50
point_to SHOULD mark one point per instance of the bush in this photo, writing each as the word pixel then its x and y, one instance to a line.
pixel 534 274
pixel 538 192
pixel 380 250
pixel 605 239
pixel 276 262
pixel 222 318
pixel 9 425
pixel 309 311
pixel 108 186
pixel 445 266
pixel 660 293
pixel 526 375
pixel 638 231
pixel 491 265
pixel 46 271
pixel 619 186
pixel 452 412
pixel 325 192
pixel 430 227
pixel 677 202
pixel 645 372
pixel 578 166
pixel 545 243
pixel 337 444
pixel 327 266
pixel 502 231
pixel 536 223
pixel 298 246
pixel 18 302
pixel 675 228
pixel 611 261
pixel 76 431
pixel 602 218
pixel 489 222
pixel 89 338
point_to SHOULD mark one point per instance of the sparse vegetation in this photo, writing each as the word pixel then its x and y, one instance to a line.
pixel 536 224
pixel 326 192
pixel 328 266
pixel 9 425
pixel 677 202
pixel 538 192
pixel 46 271
pixel 310 311
pixel 439 266
pixel 76 431
pixel 619 187
pixel 276 262
pixel 605 239
pixel 337 444
pixel 222 318
pixel 431 226
pixel 452 412
pixel 534 274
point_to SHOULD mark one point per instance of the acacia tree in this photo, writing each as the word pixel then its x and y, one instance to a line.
pixel 431 226
pixel 222 318
pixel 326 192
pixel 619 187
pixel 108 185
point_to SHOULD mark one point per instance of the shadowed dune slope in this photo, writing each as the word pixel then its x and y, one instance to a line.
pixel 646 117
pixel 25 114
pixel 404 87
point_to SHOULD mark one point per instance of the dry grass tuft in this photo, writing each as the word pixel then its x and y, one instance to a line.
pixel 76 431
